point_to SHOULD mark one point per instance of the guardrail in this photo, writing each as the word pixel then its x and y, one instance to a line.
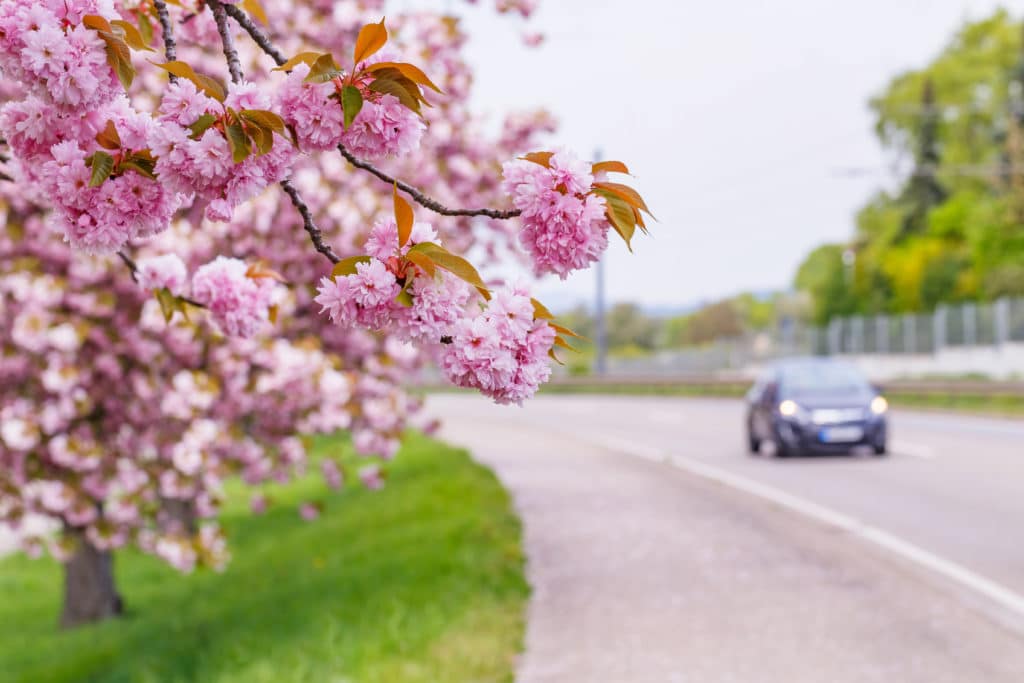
pixel 736 386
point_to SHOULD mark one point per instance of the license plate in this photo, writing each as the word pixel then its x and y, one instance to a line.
pixel 841 434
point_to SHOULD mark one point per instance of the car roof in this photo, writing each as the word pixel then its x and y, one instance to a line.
pixel 800 362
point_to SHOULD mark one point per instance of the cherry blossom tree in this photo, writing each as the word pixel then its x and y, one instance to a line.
pixel 195 272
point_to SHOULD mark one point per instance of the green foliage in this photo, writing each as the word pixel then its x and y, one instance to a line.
pixel 955 229
pixel 628 325
pixel 421 581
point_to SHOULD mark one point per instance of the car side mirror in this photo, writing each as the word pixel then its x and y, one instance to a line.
pixel 771 391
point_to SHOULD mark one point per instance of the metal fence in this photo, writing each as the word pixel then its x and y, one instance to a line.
pixel 969 324
pixel 919 334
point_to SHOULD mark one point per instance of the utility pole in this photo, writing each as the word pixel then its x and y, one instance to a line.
pixel 601 334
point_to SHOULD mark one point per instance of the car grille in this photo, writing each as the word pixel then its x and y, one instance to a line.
pixel 827 416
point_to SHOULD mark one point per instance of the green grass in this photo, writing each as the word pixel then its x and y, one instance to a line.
pixel 421 581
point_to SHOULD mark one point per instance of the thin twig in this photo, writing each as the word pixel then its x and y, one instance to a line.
pixel 220 12
pixel 128 261
pixel 307 222
pixel 170 47
pixel 420 198
pixel 258 36
pixel 134 268
pixel 230 53
pixel 265 44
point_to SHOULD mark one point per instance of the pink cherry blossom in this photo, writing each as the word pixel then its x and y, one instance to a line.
pixel 503 351
pixel 164 271
pixel 564 228
pixel 237 302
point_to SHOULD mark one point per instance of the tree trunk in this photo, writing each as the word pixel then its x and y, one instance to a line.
pixel 89 591
pixel 179 516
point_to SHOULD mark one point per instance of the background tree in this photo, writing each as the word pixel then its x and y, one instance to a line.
pixel 953 231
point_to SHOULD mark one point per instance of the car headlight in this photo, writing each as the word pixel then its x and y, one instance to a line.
pixel 879 405
pixel 788 408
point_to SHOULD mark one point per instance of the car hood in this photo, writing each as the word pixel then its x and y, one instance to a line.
pixel 833 400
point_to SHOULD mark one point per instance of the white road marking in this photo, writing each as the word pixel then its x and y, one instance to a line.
pixel 914 450
pixel 997 593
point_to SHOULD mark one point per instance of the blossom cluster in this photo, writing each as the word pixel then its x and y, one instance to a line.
pixel 384 127
pixel 44 44
pixel 368 297
pixel 564 224
pixel 238 302
pixel 128 204
pixel 237 296
pixel 502 351
pixel 203 164
pixel 498 347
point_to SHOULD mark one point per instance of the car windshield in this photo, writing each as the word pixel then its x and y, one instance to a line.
pixel 829 378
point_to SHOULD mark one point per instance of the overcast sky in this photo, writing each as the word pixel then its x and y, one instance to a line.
pixel 736 117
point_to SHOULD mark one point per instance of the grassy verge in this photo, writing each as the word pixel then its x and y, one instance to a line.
pixel 1010 405
pixel 421 581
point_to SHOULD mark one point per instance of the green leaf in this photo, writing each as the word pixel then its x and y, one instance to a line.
pixel 324 69
pixel 264 119
pixel 238 141
pixel 405 297
pixel 201 125
pixel 145 26
pixel 410 71
pixel 620 215
pixel 423 261
pixel 120 58
pixel 351 103
pixel 627 194
pixel 168 303
pixel 456 265
pixel 388 86
pixel 143 165
pixel 102 166
pixel 347 266
pixel 262 138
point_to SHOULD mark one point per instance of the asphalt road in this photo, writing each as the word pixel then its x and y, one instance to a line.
pixel 717 565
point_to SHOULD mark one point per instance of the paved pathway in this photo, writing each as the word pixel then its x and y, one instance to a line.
pixel 643 573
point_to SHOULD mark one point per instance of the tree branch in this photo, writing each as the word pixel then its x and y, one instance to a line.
pixel 134 268
pixel 220 15
pixel 230 53
pixel 307 222
pixel 258 36
pixel 265 44
pixel 170 47
pixel 420 198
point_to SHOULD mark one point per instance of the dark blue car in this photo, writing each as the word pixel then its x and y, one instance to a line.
pixel 804 405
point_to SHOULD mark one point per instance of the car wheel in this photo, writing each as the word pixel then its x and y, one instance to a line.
pixel 753 443
pixel 784 451
pixel 880 449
